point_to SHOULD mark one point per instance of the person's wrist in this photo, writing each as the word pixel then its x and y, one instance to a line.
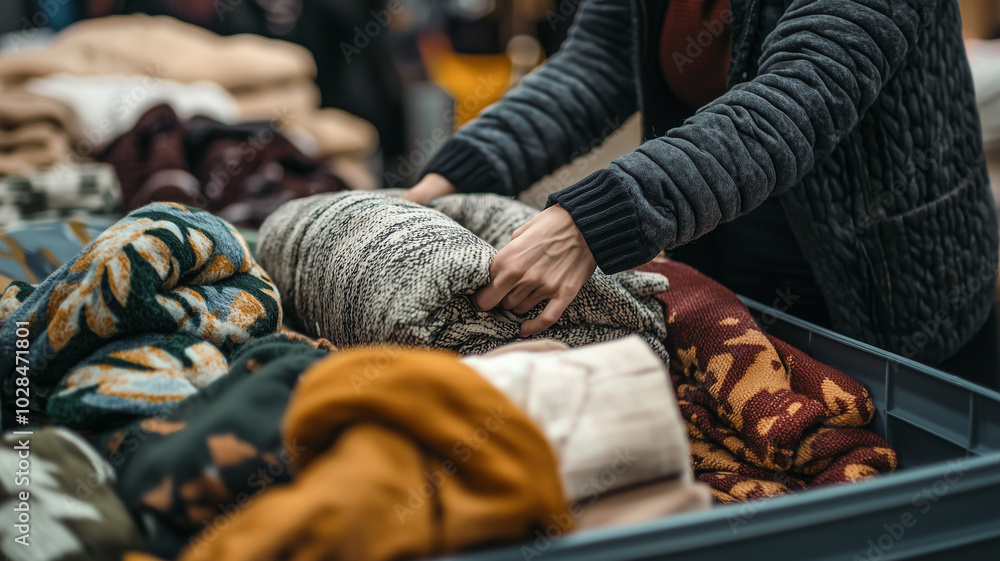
pixel 438 183
pixel 431 186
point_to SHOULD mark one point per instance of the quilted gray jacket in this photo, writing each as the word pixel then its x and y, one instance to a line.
pixel 858 114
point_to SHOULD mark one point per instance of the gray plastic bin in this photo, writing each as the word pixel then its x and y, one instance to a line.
pixel 944 502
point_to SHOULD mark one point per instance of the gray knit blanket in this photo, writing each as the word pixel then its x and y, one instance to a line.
pixel 362 268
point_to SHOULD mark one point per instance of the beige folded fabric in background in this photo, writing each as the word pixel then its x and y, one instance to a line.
pixel 268 78
pixel 34 132
pixel 170 49
pixel 110 106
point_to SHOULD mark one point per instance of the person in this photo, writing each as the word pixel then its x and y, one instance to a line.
pixel 821 154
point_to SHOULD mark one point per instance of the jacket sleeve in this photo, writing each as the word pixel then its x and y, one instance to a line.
pixel 580 96
pixel 821 68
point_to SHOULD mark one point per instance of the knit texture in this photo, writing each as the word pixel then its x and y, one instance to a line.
pixel 425 460
pixel 368 268
pixel 73 512
pixel 118 330
pixel 763 417
pixel 187 470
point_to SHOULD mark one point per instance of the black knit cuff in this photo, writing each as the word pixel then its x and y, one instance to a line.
pixel 601 208
pixel 466 168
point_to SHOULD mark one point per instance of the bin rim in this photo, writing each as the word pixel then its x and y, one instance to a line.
pixel 871 349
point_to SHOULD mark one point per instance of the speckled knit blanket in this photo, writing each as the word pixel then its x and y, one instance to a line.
pixel 763 417
pixel 370 268
pixel 142 318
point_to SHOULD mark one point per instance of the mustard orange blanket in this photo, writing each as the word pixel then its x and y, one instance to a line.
pixel 763 417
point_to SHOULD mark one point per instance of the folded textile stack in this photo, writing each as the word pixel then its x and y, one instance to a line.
pixel 240 173
pixel 369 268
pixel 395 470
pixel 70 499
pixel 269 79
pixel 109 106
pixel 578 398
pixel 35 132
pixel 763 417
pixel 141 319
pixel 611 417
pixel 77 190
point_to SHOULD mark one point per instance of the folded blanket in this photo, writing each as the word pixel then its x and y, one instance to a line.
pixel 195 467
pixel 79 190
pixel 607 410
pixel 763 417
pixel 269 79
pixel 164 270
pixel 108 106
pixel 35 132
pixel 72 511
pixel 240 173
pixel 429 459
pixel 368 268
pixel 141 45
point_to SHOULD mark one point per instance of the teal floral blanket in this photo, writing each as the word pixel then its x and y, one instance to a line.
pixel 143 317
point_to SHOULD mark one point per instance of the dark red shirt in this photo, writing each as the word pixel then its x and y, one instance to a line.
pixel 695 49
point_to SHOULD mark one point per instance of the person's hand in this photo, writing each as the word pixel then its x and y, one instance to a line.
pixel 430 187
pixel 547 259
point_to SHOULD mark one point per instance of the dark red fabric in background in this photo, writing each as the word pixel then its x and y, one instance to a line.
pixel 695 49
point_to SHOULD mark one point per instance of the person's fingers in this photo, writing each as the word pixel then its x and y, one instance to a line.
pixel 549 316
pixel 517 295
pixel 521 229
pixel 539 295
pixel 489 296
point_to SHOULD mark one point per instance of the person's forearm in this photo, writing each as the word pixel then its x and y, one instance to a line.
pixel 576 99
pixel 758 139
